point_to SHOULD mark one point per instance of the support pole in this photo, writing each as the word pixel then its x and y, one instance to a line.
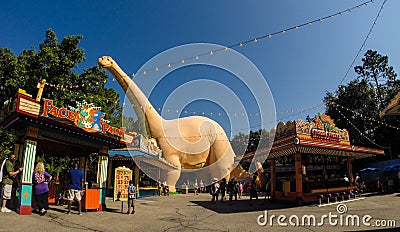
pixel 299 175
pixel 273 178
pixel 136 182
pixel 102 177
pixel 28 162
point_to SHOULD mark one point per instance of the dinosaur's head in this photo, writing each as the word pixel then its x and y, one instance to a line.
pixel 106 61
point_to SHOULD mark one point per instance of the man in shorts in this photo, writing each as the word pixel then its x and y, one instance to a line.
pixel 8 179
pixel 75 188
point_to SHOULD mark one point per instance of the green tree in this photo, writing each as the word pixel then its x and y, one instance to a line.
pixel 376 71
pixel 356 106
pixel 57 62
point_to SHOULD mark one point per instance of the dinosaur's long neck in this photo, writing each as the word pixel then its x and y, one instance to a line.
pixel 140 102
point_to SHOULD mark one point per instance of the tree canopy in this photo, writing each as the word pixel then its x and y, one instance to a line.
pixel 57 62
pixel 356 106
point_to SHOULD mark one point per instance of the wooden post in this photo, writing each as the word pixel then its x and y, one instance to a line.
pixel 298 174
pixel 28 162
pixel 350 170
pixel 273 178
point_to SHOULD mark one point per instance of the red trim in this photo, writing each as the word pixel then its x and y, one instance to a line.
pixel 25 210
pixel 102 207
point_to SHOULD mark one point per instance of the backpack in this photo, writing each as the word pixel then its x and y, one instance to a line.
pixel 2 170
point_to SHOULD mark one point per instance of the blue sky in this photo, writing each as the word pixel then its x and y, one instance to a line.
pixel 299 66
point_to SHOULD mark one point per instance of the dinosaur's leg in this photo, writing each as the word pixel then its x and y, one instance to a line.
pixel 221 158
pixel 172 176
pixel 261 178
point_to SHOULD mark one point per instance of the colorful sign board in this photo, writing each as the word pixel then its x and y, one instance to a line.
pixel 85 115
pixel 121 182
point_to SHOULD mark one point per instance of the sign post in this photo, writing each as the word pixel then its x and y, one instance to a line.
pixel 121 182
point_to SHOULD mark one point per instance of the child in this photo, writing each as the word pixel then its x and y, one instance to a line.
pixel 131 197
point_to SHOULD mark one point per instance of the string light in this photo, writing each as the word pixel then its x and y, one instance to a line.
pixel 358 130
pixel 241 44
pixel 364 42
pixel 364 116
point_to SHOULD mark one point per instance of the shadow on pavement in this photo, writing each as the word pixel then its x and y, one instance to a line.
pixel 243 205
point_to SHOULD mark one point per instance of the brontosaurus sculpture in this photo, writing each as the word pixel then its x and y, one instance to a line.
pixel 189 143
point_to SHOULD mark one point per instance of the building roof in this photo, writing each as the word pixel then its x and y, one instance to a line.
pixel 393 108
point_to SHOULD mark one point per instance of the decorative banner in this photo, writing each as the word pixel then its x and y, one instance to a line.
pixel 121 182
pixel 85 115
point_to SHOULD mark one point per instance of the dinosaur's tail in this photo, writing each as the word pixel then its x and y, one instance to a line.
pixel 240 173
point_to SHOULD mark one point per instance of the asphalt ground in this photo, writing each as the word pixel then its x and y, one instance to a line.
pixel 196 213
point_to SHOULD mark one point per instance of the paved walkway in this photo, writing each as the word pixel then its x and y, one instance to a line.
pixel 196 213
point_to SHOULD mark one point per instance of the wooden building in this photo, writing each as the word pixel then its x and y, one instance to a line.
pixel 310 158
pixel 41 127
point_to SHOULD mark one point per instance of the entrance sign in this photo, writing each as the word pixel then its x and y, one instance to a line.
pixel 84 115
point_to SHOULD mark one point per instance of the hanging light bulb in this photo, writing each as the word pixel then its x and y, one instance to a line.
pixel 169 65
pixel 183 61
pixel 211 53
pixel 197 57
pixel 270 36
pixel 255 40
pixel 241 45
pixel 156 68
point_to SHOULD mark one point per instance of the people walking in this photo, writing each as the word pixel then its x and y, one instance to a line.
pixel 75 188
pixel 223 185
pixel 40 180
pixel 201 186
pixel 214 191
pixel 240 190
pixel 131 197
pixel 7 181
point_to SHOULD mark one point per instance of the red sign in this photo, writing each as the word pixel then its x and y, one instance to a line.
pixel 325 135
pixel 86 116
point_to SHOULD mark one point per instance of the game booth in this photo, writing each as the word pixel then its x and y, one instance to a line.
pixel 41 127
pixel 308 159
